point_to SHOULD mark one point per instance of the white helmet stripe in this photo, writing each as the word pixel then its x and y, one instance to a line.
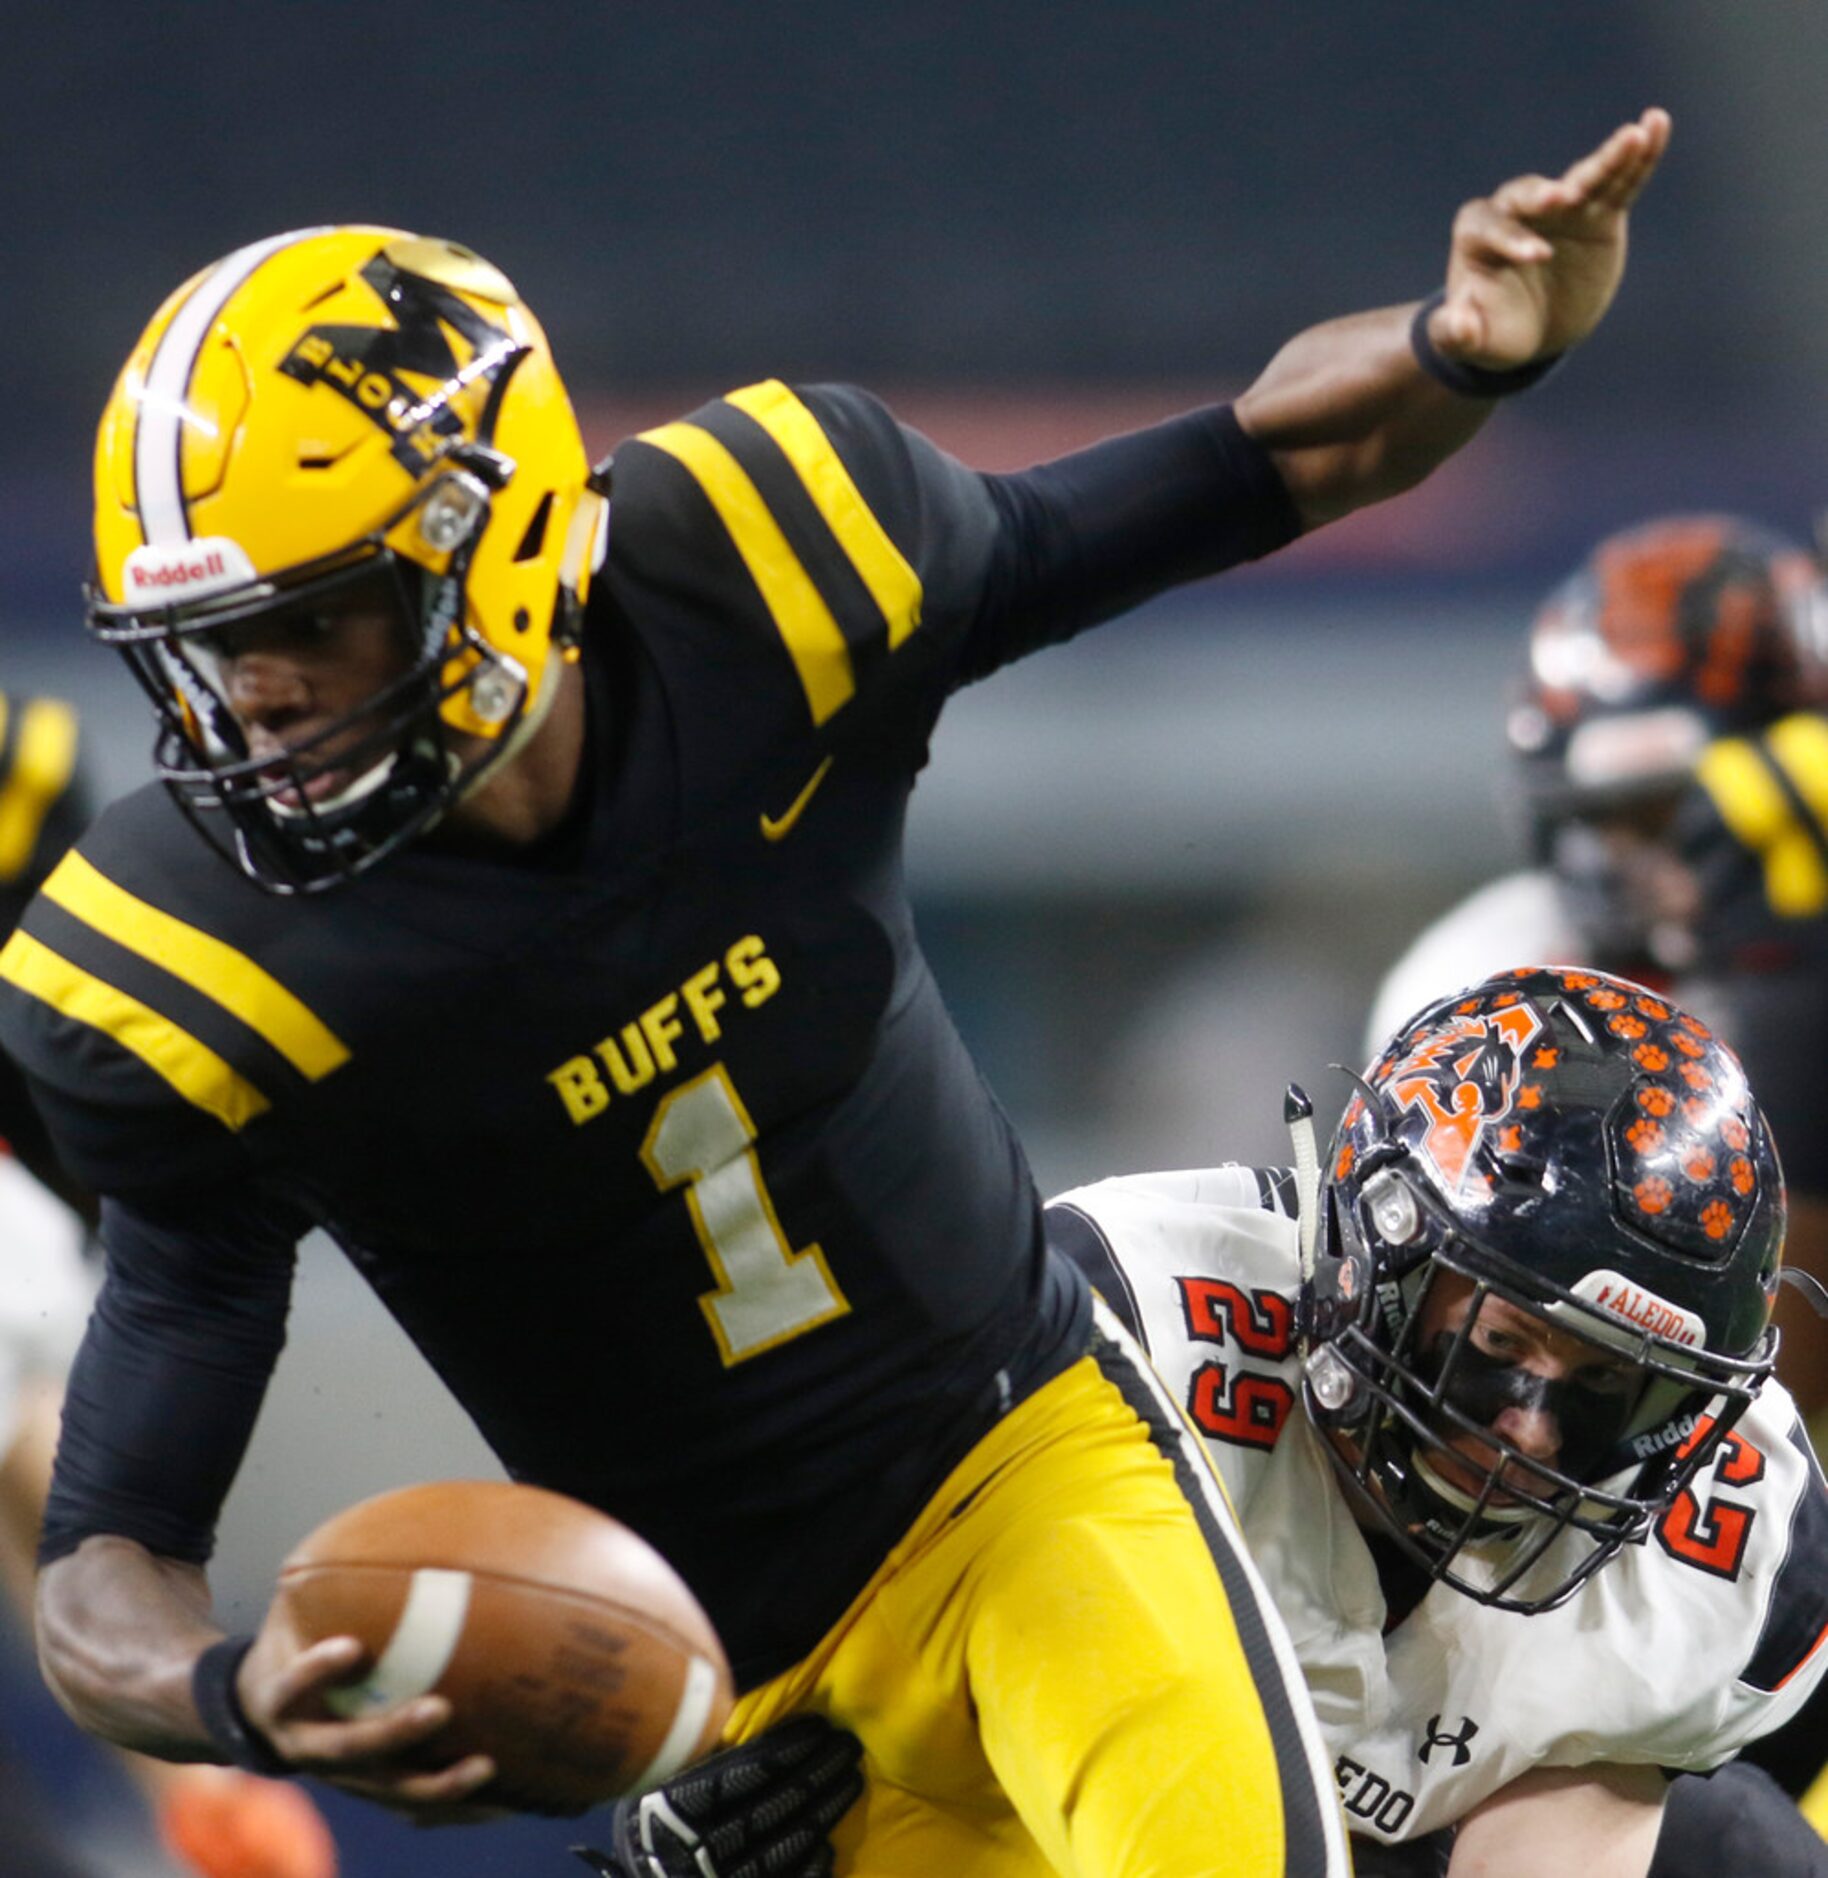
pixel 158 476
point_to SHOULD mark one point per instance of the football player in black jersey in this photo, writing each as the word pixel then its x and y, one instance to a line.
pixel 561 969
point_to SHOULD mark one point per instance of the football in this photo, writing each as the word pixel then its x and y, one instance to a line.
pixel 570 1650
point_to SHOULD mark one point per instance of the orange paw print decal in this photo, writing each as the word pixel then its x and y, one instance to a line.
pixel 1653 1195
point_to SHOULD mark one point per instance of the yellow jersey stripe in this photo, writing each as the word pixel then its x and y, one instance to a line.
pixel 1759 816
pixel 882 567
pixel 806 624
pixel 192 1068
pixel 43 760
pixel 223 975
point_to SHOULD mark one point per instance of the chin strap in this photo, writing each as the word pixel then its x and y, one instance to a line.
pixel 1298 1114
pixel 1810 1286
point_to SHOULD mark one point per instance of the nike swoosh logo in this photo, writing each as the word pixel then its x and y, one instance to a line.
pixel 778 828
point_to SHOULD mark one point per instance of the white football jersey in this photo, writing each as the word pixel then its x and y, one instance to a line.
pixel 1515 920
pixel 1675 1654
pixel 45 1288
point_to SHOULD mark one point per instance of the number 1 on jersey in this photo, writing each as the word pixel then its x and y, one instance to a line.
pixel 701 1138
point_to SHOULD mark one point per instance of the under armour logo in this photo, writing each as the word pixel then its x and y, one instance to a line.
pixel 1437 1737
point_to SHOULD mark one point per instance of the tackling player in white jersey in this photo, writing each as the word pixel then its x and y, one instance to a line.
pixel 1502 1434
pixel 1491 1393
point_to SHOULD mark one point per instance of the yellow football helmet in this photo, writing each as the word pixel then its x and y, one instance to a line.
pixel 329 417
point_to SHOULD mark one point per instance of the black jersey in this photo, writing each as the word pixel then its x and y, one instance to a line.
pixel 658 1140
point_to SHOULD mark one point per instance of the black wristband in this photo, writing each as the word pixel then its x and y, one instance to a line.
pixel 1471 381
pixel 212 1688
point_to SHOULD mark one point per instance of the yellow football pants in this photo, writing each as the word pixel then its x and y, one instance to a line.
pixel 1067 1665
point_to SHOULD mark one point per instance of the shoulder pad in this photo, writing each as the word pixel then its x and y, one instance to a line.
pixel 837 537
pixel 131 996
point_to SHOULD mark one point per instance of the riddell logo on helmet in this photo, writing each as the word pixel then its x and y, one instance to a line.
pixel 206 565
pixel 182 573
pixel 1643 1310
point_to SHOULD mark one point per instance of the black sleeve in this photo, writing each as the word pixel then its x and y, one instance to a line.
pixel 1795 1754
pixel 1736 1820
pixel 164 1391
pixel 1090 535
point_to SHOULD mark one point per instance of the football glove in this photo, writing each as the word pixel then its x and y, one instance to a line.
pixel 761 1810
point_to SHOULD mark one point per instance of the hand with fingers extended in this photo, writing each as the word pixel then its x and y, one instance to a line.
pixel 284 1697
pixel 1533 267
pixel 762 1810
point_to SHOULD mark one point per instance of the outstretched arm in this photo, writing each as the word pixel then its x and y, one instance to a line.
pixel 1346 409
pixel 1345 414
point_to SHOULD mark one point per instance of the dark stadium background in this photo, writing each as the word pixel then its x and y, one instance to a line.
pixel 1159 871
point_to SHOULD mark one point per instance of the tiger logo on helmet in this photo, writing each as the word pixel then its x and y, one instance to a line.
pixel 326 413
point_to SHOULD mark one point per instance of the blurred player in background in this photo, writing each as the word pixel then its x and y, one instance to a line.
pixel 219 1822
pixel 561 968
pixel 46 800
pixel 1498 1423
pixel 1672 774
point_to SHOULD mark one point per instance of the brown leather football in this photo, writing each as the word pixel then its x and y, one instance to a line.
pixel 571 1651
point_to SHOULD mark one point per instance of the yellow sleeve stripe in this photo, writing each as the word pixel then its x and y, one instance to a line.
pixel 1759 816
pixel 883 569
pixel 218 971
pixel 43 760
pixel 192 1068
pixel 806 624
